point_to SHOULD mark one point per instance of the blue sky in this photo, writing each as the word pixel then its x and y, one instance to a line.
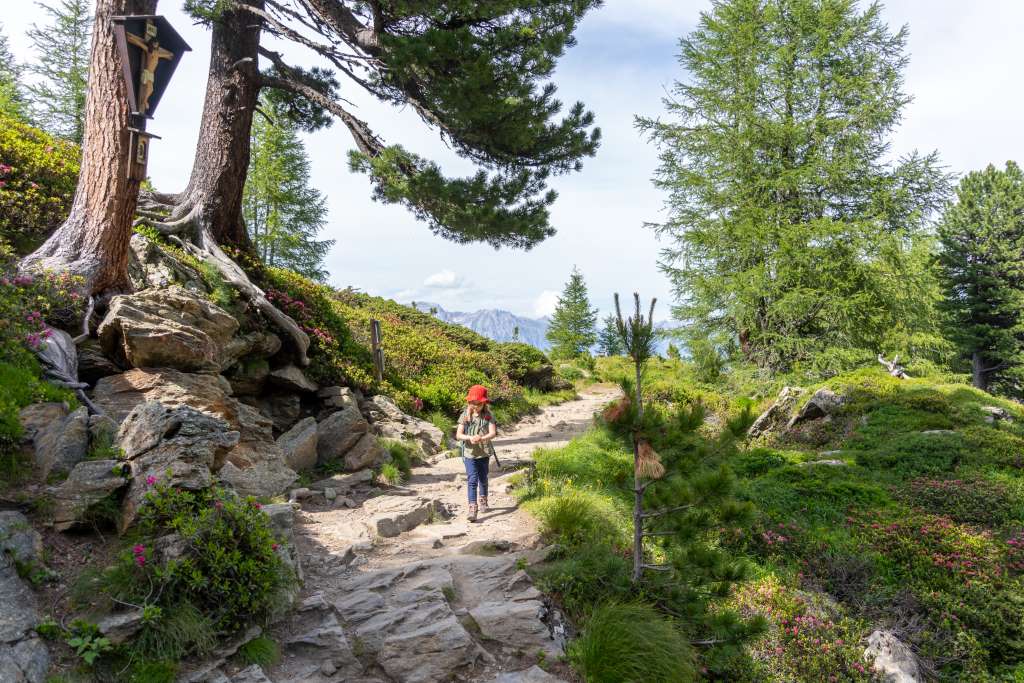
pixel 964 75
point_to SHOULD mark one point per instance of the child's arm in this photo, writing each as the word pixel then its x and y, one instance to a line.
pixel 492 431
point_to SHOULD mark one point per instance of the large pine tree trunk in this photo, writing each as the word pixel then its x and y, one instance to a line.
pixel 212 201
pixel 979 378
pixel 93 241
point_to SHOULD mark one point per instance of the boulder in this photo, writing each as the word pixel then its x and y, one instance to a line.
pixel 290 378
pixel 93 364
pixel 167 328
pixel 314 646
pixel 831 462
pixel 366 453
pixel 283 409
pixel 150 266
pixel 265 478
pixel 391 423
pixel 344 482
pixel 282 521
pixel 893 661
pixel 89 482
pixel 120 394
pixel 335 398
pixel 179 447
pixel 299 445
pixel 251 347
pixel 59 440
pixel 777 413
pixel 339 432
pixel 996 414
pixel 248 376
pixel 120 627
pixel 823 403
pixel 23 656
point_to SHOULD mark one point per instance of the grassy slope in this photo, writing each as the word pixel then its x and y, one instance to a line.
pixel 917 532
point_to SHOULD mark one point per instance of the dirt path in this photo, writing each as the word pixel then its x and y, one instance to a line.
pixel 473 613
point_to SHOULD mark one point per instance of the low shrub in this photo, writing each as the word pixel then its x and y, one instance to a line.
pixel 262 651
pixel 38 174
pixel 972 499
pixel 577 517
pixel 632 642
pixel 587 576
pixel 912 454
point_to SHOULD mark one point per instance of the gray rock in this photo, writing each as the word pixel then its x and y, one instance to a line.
pixel 167 328
pixel 265 478
pixel 366 453
pixel 391 515
pixel 518 624
pixel 996 414
pixel 314 646
pixel 93 364
pixel 939 432
pixel 178 447
pixel 150 266
pixel 829 463
pixel 339 432
pixel 25 661
pixel 344 482
pixel 59 441
pixel 534 674
pixel 248 377
pixel 336 397
pixel 283 409
pixel 253 346
pixel 893 661
pixel 89 482
pixel 330 494
pixel 299 445
pixel 118 628
pixel 777 413
pixel 823 403
pixel 206 670
pixel 291 378
pixel 18 540
pixel 250 674
pixel 282 521
pixel 390 422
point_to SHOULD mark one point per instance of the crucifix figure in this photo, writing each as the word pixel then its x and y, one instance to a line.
pixel 152 53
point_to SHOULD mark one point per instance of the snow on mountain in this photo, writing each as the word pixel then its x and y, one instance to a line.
pixel 494 323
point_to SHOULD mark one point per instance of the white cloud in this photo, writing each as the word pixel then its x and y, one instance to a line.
pixel 445 279
pixel 545 303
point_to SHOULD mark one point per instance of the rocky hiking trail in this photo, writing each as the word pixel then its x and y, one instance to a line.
pixel 399 587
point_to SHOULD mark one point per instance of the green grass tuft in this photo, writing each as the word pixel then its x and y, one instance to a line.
pixel 632 642
pixel 262 651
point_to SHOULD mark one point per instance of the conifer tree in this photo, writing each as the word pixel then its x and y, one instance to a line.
pixel 788 225
pixel 282 212
pixel 12 96
pixel 982 264
pixel 608 339
pixel 573 326
pixel 62 66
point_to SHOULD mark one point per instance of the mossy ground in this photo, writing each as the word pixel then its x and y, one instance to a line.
pixel 921 531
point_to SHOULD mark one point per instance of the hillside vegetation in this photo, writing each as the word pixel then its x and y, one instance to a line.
pixel 914 523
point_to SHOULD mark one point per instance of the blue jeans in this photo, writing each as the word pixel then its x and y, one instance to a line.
pixel 476 476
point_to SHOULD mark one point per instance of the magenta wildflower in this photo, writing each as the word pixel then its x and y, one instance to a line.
pixel 150 480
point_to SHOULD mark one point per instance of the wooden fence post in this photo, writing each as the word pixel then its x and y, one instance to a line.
pixel 378 352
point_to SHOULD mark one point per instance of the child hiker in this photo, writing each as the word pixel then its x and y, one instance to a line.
pixel 476 430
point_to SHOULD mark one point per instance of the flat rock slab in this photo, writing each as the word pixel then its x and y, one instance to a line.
pixel 435 619
pixel 389 516
pixel 534 674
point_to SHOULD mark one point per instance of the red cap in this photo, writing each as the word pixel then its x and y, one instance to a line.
pixel 477 393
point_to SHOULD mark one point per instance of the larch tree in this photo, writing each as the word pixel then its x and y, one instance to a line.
pixel 982 264
pixel 789 227
pixel 12 95
pixel 61 68
pixel 573 326
pixel 93 241
pixel 282 212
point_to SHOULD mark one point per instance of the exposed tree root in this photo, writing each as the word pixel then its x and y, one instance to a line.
pixel 191 233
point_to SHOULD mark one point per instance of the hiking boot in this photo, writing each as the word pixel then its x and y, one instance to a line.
pixel 483 505
pixel 472 512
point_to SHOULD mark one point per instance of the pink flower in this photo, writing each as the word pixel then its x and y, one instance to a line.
pixel 150 480
pixel 217 504
pixel 140 560
pixel 257 506
pixel 139 549
pixel 274 547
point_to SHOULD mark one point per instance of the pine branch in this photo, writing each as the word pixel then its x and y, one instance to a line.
pixel 665 511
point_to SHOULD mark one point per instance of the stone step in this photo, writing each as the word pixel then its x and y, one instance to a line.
pixel 389 516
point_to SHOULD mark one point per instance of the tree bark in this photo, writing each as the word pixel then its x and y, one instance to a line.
pixel 979 376
pixel 213 197
pixel 93 241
